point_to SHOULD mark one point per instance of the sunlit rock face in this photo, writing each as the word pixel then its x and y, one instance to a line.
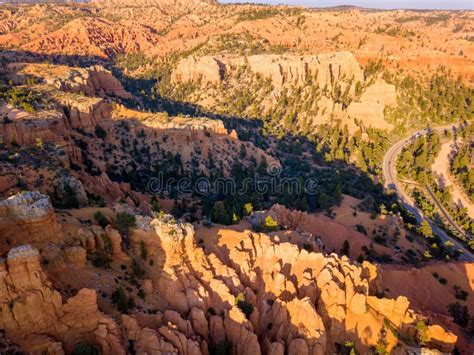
pixel 27 218
pixel 329 73
pixel 34 316
pixel 283 70
pixel 301 301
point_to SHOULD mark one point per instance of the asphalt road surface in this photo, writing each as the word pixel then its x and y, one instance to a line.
pixel 390 178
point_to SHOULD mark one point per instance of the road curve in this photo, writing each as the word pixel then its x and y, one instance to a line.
pixel 390 180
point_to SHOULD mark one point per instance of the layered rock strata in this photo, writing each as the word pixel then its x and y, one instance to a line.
pixel 28 218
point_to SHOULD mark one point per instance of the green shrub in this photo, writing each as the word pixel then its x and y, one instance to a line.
pixel 248 209
pixel 346 247
pixel 361 229
pixel 459 313
pixel 245 307
pixel 270 225
pixel 155 205
pixel 422 333
pixel 459 293
pixel 125 222
pixel 82 348
pixel 25 98
pixel 101 219
pixel 143 250
pixel 137 270
pixel 122 301
pixel 348 348
pixel 257 14
pixel 107 248
pixel 67 200
pixel 101 261
pixel 100 132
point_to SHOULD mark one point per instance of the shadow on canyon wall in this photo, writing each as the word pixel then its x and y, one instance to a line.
pixel 354 182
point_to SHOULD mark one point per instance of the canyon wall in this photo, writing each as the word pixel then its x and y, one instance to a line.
pixel 283 70
pixel 335 82
pixel 76 111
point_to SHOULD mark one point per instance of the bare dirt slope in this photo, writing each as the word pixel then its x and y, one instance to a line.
pixel 441 167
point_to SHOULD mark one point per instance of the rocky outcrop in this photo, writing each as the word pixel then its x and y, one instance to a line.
pixel 81 111
pixel 371 115
pixel 105 239
pixel 300 302
pixel 27 218
pixel 369 109
pixel 115 241
pixel 73 120
pixel 380 92
pixel 34 316
pixel 65 86
pixel 440 338
pixel 190 137
pixel 207 69
pixel 68 187
pixel 25 129
pixel 324 69
pixel 97 81
pixel 194 126
pixel 332 80
pixel 283 70
pixel 92 81
pixel 74 111
pixel 7 182
pixel 199 124
pixel 243 291
pixel 102 185
pixel 291 219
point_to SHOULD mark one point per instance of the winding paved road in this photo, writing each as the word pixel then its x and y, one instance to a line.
pixel 390 178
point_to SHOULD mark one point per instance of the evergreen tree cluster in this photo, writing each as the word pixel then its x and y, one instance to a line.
pixel 461 168
pixel 417 158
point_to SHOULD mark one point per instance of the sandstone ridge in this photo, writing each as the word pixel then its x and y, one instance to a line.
pixel 283 70
pixel 28 218
pixel 335 82
pixel 92 81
